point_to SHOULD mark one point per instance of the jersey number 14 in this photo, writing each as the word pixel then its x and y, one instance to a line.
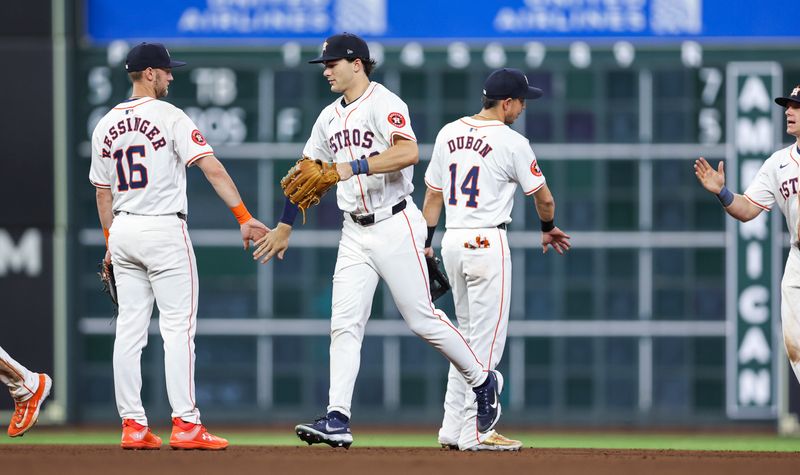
pixel 123 184
pixel 469 187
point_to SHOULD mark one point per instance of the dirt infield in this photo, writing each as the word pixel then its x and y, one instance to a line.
pixel 65 459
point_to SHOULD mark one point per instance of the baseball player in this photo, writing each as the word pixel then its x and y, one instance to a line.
pixel 776 182
pixel 29 391
pixel 140 152
pixel 367 133
pixel 476 165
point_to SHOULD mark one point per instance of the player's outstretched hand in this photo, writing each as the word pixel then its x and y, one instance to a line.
pixel 556 238
pixel 274 242
pixel 253 230
pixel 712 180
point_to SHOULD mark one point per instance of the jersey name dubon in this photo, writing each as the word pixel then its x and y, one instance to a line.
pixel 397 120
pixel 137 124
pixel 469 143
pixel 348 138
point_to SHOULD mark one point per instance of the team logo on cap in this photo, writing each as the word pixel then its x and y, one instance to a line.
pixel 324 47
pixel 198 138
pixel 535 168
pixel 397 120
pixel 796 91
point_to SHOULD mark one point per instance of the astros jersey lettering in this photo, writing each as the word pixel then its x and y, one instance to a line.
pixel 365 127
pixel 779 173
pixel 140 150
pixel 477 164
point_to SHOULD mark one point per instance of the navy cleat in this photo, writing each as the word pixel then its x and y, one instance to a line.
pixel 332 429
pixel 487 396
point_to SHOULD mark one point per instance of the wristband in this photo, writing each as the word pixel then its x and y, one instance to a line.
pixel 725 196
pixel 289 213
pixel 241 213
pixel 429 239
pixel 105 234
pixel 547 226
pixel 360 166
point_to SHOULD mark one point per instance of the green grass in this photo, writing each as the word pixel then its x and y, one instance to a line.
pixel 744 442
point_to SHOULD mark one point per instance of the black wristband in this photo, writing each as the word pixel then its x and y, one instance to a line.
pixel 547 226
pixel 429 239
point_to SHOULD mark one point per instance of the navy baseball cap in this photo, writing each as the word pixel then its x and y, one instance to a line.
pixel 149 55
pixel 793 97
pixel 509 83
pixel 345 45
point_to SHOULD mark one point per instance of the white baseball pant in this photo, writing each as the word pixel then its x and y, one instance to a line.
pixel 22 383
pixel 154 260
pixel 481 285
pixel 391 249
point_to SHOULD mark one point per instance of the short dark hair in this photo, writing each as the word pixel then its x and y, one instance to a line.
pixel 369 64
pixel 489 103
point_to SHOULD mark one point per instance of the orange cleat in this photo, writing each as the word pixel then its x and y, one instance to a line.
pixel 26 413
pixel 186 435
pixel 138 437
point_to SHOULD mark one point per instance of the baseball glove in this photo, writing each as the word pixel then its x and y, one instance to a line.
pixel 308 181
pixel 438 281
pixel 109 283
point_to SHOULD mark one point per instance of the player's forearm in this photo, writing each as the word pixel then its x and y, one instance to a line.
pixel 220 180
pixel 400 155
pixel 545 204
pixel 104 207
pixel 432 206
pixel 742 209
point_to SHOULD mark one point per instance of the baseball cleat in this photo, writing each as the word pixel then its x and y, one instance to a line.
pixel 488 398
pixel 138 437
pixel 26 412
pixel 498 442
pixel 448 444
pixel 327 429
pixel 191 436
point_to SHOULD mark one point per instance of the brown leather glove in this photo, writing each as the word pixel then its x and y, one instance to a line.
pixel 308 181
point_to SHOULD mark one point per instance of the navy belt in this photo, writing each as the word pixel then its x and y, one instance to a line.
pixel 502 226
pixel 367 219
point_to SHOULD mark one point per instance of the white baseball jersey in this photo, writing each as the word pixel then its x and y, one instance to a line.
pixel 477 164
pixel 777 182
pixel 363 128
pixel 140 150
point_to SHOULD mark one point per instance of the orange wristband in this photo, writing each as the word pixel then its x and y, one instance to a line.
pixel 105 233
pixel 241 213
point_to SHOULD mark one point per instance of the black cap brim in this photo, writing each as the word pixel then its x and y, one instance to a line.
pixel 176 64
pixel 323 58
pixel 784 101
pixel 534 93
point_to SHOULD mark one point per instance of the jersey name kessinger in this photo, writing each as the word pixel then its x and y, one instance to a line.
pixel 140 151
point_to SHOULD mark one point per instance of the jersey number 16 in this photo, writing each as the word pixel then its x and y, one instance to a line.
pixel 469 186
pixel 134 168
